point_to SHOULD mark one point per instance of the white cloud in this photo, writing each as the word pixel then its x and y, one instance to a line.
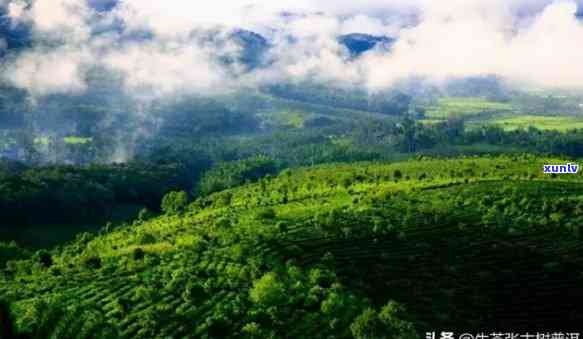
pixel 370 25
pixel 527 41
pixel 16 9
pixel 167 68
pixel 480 41
pixel 46 72
pixel 62 19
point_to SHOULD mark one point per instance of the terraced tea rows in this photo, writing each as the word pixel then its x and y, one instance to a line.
pixel 468 244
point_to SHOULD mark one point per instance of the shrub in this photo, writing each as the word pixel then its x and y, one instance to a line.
pixel 333 304
pixel 11 251
pixel 397 174
pixel 266 214
pixel 138 254
pixel 319 277
pixel 231 174
pixel 145 214
pixel 387 324
pixel 224 200
pixel 391 316
pixel 346 182
pixel 282 227
pixel 267 290
pixel 45 258
pixel 252 330
pixel 174 202
pixel 92 262
pixel 367 325
pixel 145 238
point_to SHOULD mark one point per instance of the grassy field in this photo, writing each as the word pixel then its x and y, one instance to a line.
pixel 479 112
pixel 284 118
pixel 73 140
pixel 558 123
pixel 464 107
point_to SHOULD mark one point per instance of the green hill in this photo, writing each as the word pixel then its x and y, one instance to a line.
pixel 368 250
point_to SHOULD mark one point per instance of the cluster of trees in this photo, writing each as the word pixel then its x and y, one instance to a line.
pixel 532 139
pixel 374 139
pixel 11 251
pixel 12 103
pixel 390 103
pixel 52 318
pixel 232 174
pixel 490 87
pixel 337 141
pixel 199 117
pixel 410 136
pixel 66 194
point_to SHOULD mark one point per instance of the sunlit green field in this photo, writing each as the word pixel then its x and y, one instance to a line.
pixel 71 140
pixel 560 123
pixel 465 107
pixel 431 121
pixel 77 140
pixel 286 118
pixel 479 112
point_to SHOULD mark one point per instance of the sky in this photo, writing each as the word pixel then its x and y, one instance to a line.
pixel 526 42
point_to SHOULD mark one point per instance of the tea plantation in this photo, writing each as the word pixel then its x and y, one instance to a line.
pixel 368 250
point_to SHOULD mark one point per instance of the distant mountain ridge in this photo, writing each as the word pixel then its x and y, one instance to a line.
pixel 14 35
pixel 359 43
pixel 253 45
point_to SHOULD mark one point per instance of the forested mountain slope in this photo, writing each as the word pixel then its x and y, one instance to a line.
pixel 368 250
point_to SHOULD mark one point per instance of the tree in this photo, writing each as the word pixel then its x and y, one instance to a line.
pixel 253 330
pixel 6 322
pixel 391 316
pixel 408 135
pixel 145 238
pixel 92 262
pixel 367 326
pixel 230 174
pixel 387 324
pixel 333 304
pixel 52 318
pixel 45 258
pixel 266 214
pixel 174 202
pixel 139 254
pixel 145 214
pixel 268 290
pixel 397 174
